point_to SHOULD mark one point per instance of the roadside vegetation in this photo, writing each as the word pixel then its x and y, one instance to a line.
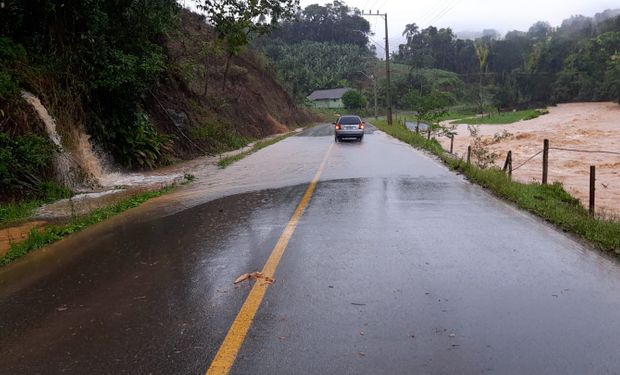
pixel 38 238
pixel 502 118
pixel 258 145
pixel 148 84
pixel 550 202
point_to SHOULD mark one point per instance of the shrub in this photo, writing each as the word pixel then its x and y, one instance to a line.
pixel 24 164
pixel 10 54
pixel 352 99
pixel 134 142
pixel 219 136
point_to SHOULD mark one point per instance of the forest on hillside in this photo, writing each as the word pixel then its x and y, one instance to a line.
pixel 146 80
pixel 328 46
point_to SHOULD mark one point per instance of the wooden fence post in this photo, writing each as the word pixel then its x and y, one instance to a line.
pixel 428 135
pixel 545 172
pixel 592 188
pixel 417 127
pixel 468 155
pixel 451 143
pixel 508 164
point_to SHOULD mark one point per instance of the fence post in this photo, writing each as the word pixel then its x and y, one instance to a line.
pixel 592 188
pixel 508 163
pixel 451 143
pixel 545 172
pixel 417 126
pixel 428 135
pixel 468 154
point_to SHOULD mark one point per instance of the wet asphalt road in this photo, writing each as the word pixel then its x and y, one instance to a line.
pixel 397 266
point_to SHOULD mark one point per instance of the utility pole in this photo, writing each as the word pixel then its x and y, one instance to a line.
pixel 388 97
pixel 374 88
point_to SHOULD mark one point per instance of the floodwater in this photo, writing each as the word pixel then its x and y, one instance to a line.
pixel 397 266
pixel 580 126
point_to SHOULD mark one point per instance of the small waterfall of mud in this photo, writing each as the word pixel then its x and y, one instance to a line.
pixel 64 165
pixel 82 168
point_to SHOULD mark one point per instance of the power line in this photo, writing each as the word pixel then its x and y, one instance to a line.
pixel 446 11
pixel 432 10
pixel 383 4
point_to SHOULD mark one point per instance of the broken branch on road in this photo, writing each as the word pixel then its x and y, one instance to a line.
pixel 254 276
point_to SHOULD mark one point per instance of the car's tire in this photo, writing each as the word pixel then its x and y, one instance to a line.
pixel 336 139
pixel 360 138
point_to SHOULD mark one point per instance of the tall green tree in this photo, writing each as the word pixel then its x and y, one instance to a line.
pixel 235 21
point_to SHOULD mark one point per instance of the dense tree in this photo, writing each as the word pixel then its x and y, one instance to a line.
pixel 353 99
pixel 235 21
pixel 325 47
pixel 427 48
pixel 307 66
pixel 335 22
pixel 105 54
pixel 541 65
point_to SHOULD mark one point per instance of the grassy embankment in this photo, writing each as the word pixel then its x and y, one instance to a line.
pixel 15 212
pixel 39 238
pixel 460 116
pixel 550 202
pixel 258 145
pixel 502 118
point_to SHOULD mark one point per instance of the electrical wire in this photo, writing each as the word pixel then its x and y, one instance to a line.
pixel 438 5
pixel 445 11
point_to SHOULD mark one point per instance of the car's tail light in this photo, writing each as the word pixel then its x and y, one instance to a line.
pixel 361 125
pixel 338 127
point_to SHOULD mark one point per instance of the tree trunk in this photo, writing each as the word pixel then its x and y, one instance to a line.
pixel 204 93
pixel 230 55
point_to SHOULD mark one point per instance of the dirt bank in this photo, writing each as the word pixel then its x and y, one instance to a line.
pixel 583 126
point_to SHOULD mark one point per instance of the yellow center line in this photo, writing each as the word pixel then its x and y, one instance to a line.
pixel 226 355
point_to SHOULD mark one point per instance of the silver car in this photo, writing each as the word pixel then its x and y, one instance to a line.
pixel 349 127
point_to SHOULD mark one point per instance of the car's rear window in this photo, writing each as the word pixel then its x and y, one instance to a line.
pixel 349 120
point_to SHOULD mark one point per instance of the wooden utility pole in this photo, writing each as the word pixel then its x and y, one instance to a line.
pixel 374 89
pixel 388 94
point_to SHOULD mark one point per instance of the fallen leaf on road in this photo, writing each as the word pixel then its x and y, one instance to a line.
pixel 361 354
pixel 254 276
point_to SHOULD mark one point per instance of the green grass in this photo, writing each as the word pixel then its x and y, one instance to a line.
pixel 225 162
pixel 502 118
pixel 550 202
pixel 39 238
pixel 14 212
pixel 221 138
pixel 447 116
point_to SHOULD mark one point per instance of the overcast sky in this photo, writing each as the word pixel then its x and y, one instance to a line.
pixel 472 15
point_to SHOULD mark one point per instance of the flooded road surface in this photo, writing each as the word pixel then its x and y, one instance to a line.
pixel 396 266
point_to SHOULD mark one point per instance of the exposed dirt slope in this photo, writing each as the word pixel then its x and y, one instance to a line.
pixel 192 99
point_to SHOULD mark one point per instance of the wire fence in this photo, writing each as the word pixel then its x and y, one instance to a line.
pixel 593 179
pixel 585 151
pixel 527 161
